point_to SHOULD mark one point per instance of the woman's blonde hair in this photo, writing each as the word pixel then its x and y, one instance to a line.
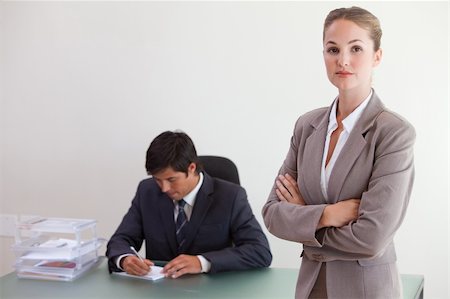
pixel 360 17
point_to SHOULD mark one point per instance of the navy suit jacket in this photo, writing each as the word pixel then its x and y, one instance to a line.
pixel 222 228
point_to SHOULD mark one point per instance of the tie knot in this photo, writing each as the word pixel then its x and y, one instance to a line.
pixel 181 203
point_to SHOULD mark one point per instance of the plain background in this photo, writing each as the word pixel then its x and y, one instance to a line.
pixel 85 87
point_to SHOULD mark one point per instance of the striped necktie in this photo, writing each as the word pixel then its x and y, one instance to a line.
pixel 181 223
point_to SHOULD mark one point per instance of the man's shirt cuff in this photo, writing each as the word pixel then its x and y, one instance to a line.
pixel 119 259
pixel 206 265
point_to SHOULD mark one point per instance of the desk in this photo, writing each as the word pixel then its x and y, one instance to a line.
pixel 262 283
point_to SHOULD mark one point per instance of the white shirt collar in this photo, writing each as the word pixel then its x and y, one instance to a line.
pixel 332 122
pixel 191 196
pixel 350 121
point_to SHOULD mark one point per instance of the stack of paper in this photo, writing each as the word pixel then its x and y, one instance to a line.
pixel 154 274
pixel 60 249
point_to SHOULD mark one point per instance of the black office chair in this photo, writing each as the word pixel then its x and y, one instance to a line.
pixel 220 167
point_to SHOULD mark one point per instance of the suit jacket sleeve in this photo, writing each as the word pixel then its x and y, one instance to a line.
pixel 281 217
pixel 129 233
pixel 250 247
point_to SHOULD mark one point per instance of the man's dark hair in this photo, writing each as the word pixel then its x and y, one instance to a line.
pixel 171 149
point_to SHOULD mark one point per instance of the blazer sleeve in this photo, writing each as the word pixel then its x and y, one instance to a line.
pixel 383 205
pixel 281 217
pixel 129 233
pixel 250 246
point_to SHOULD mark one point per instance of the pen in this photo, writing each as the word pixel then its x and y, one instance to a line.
pixel 137 254
pixel 61 245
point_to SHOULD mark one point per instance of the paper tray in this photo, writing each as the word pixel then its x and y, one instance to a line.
pixel 62 225
pixel 60 276
pixel 60 267
pixel 39 249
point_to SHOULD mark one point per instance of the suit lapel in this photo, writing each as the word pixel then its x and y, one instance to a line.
pixel 352 148
pixel 203 202
pixel 349 153
pixel 166 210
pixel 312 160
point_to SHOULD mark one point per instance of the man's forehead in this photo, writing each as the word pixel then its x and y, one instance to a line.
pixel 167 173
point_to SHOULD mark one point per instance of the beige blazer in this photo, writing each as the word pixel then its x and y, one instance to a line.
pixel 375 165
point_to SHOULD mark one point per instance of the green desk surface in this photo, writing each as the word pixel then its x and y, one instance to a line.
pixel 262 283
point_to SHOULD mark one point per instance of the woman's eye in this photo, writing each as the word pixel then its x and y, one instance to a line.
pixel 333 50
pixel 356 49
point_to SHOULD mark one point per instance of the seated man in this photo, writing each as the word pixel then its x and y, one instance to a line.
pixel 198 223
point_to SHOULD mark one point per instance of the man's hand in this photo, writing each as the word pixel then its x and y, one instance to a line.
pixel 183 264
pixel 287 190
pixel 134 266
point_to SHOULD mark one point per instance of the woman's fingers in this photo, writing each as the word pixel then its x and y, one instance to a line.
pixel 287 189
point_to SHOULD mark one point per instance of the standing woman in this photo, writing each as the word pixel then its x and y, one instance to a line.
pixel 345 184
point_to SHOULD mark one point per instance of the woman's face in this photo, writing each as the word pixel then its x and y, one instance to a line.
pixel 349 56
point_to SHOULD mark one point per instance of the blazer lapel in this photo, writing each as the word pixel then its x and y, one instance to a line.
pixel 312 160
pixel 202 204
pixel 352 148
pixel 166 210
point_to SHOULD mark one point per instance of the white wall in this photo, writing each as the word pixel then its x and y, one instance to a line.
pixel 86 86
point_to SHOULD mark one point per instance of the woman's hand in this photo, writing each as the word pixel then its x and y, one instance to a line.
pixel 288 191
pixel 340 213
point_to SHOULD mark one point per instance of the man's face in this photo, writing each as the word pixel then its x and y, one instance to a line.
pixel 177 184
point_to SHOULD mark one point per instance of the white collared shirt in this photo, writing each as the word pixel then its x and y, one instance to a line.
pixel 189 199
pixel 348 124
